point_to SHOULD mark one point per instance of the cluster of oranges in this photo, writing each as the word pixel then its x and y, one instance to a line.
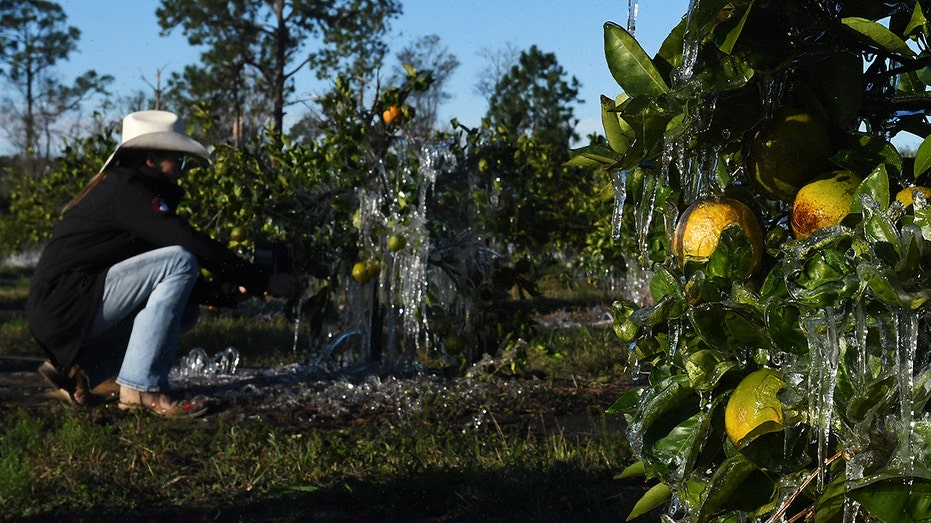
pixel 788 160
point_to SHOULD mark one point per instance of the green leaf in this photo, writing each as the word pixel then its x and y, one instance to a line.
pixel 634 470
pixel 732 258
pixel 706 368
pixel 617 131
pixel 677 449
pixel 734 34
pixel 669 55
pixel 872 398
pixel 830 504
pixel 922 220
pixel 664 397
pixel 726 328
pixel 774 285
pixel 784 327
pixel 879 230
pixel 667 308
pixel 664 283
pixel 593 156
pixel 876 186
pixel 923 157
pixel 624 327
pixel 736 484
pixel 627 402
pixel 630 65
pixel 886 288
pixel 917 21
pixel 893 497
pixel 878 34
pixel 656 496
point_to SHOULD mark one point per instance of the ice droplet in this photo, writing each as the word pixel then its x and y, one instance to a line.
pixel 198 363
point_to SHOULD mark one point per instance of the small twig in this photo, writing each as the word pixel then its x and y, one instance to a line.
pixel 803 514
pixel 811 477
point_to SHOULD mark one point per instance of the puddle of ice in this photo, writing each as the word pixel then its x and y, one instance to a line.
pixel 318 395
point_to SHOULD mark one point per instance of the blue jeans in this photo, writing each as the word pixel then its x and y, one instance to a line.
pixel 143 311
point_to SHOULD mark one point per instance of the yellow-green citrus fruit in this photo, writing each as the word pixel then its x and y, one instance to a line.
pixel 754 407
pixel 359 273
pixel 788 152
pixel 702 223
pixel 396 242
pixel 823 203
pixel 906 196
pixel 238 234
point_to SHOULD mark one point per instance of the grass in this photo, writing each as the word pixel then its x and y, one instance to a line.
pixel 66 464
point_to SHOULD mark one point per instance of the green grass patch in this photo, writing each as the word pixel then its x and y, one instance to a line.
pixel 78 465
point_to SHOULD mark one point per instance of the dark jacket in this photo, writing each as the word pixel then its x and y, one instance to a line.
pixel 130 212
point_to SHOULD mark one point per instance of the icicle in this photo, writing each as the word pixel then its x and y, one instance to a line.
pixel 906 323
pixel 632 8
pixel 644 220
pixel 824 347
pixel 862 330
pixel 619 182
pixel 689 47
pixel 634 362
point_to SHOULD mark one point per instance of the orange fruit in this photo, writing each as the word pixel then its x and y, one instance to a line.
pixel 823 203
pixel 906 195
pixel 788 152
pixel 700 226
pixel 754 408
pixel 391 114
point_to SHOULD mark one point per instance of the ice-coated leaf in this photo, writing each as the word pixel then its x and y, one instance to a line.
pixel 894 497
pixel 706 368
pixel 627 402
pixel 830 504
pixel 736 483
pixel 782 324
pixel 630 65
pixel 876 186
pixel 663 398
pixel 887 289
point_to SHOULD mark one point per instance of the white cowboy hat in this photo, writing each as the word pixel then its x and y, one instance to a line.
pixel 157 130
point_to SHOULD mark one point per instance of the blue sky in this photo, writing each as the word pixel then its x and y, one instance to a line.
pixel 121 38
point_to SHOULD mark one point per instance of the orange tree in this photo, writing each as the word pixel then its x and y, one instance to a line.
pixel 752 101
pixel 304 193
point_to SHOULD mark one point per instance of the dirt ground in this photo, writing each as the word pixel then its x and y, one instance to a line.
pixel 293 399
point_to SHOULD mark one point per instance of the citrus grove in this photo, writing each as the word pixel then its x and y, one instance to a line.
pixel 781 362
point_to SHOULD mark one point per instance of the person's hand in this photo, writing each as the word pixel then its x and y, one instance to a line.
pixel 282 285
pixel 236 292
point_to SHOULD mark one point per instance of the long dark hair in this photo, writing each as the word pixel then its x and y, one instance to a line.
pixel 132 158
